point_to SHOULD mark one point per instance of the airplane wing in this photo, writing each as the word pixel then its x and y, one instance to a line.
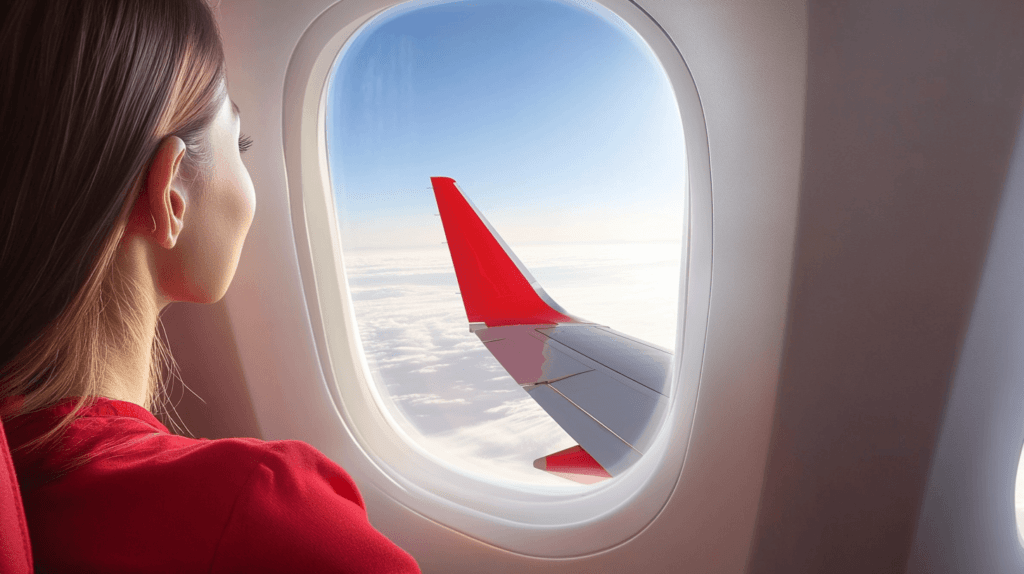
pixel 603 387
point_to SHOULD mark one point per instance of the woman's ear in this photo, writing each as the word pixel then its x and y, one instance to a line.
pixel 159 212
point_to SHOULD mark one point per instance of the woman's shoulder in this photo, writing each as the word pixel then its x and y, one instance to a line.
pixel 116 442
pixel 113 441
pixel 280 463
pixel 164 502
pixel 279 471
pixel 296 511
pixel 319 522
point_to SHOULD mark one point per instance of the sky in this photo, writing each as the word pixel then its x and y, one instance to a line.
pixel 556 120
pixel 542 111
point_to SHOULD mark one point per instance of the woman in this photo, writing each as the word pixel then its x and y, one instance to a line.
pixel 123 190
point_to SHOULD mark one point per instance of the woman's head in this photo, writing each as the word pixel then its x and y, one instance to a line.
pixel 187 232
pixel 95 97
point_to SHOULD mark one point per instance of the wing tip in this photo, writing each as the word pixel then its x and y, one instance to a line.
pixel 573 463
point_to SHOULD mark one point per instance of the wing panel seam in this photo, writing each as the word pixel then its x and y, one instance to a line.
pixel 616 371
pixel 595 419
pixel 589 361
pixel 562 378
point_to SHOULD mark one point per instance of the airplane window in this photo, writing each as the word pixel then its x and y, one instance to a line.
pixel 510 185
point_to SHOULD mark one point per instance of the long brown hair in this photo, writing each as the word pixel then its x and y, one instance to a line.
pixel 88 90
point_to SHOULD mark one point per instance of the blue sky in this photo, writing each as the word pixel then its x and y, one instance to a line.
pixel 555 120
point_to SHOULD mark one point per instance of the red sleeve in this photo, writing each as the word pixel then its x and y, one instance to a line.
pixel 300 512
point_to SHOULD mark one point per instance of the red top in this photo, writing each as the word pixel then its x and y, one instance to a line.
pixel 151 501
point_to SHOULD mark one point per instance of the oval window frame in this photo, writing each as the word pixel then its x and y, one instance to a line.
pixel 542 522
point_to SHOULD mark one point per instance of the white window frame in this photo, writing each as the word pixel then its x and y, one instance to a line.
pixel 524 519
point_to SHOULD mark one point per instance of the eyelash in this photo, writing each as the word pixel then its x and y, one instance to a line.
pixel 244 143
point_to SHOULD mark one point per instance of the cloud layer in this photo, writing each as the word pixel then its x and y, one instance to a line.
pixel 439 376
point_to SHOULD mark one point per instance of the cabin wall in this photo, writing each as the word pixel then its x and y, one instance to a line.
pixel 912 109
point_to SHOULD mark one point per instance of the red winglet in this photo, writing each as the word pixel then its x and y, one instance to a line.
pixel 574 464
pixel 495 288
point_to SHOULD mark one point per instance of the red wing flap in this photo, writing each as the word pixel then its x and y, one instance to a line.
pixel 574 464
pixel 494 289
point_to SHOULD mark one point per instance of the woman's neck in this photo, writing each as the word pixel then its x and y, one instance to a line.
pixel 127 374
pixel 132 326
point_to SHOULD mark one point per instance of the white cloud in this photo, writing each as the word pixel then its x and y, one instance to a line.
pixel 427 399
pixel 431 368
pixel 505 447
